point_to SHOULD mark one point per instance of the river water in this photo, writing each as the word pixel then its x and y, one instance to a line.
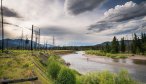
pixel 79 62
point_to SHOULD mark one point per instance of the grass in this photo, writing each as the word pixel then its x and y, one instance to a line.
pixel 21 65
pixel 65 76
pixel 59 72
pixel 106 77
pixel 24 64
pixel 111 55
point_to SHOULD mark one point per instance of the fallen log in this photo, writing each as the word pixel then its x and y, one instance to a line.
pixel 18 80
pixel 6 57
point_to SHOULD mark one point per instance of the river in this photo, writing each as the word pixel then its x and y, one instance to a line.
pixel 80 63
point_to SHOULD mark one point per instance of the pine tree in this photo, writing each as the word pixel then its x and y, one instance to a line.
pixel 123 46
pixel 139 46
pixel 134 44
pixel 143 42
pixel 115 45
pixel 107 47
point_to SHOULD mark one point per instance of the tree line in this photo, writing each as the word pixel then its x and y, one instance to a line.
pixel 136 46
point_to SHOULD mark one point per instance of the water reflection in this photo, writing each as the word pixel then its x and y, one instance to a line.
pixel 137 61
pixel 79 62
pixel 130 61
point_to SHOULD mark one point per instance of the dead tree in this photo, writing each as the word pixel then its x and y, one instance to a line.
pixel 2 26
pixel 32 39
pixel 18 80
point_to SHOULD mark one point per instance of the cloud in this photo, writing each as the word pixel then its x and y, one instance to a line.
pixel 136 25
pixel 101 26
pixel 10 13
pixel 6 33
pixel 122 19
pixel 79 6
pixel 55 30
pixel 64 35
pixel 129 10
pixel 49 16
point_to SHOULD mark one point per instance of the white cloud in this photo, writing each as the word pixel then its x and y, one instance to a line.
pixel 49 13
pixel 122 19
pixel 127 11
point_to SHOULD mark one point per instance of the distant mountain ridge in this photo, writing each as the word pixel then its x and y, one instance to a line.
pixel 127 42
pixel 21 43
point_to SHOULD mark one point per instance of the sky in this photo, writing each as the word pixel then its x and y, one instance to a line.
pixel 74 22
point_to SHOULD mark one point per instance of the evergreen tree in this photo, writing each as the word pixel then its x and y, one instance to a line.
pixel 107 47
pixel 143 42
pixel 123 46
pixel 139 46
pixel 115 45
pixel 134 44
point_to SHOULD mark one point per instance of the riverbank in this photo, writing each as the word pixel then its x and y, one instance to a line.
pixel 132 61
pixel 80 63
pixel 111 55
pixel 115 55
pixel 138 57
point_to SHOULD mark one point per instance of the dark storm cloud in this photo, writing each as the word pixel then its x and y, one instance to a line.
pixel 10 13
pixel 128 17
pixel 127 31
pixel 55 30
pixel 101 26
pixel 79 6
pixel 62 33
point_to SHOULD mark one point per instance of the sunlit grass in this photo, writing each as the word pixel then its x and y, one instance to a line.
pixel 106 77
pixel 19 64
pixel 24 64
pixel 111 55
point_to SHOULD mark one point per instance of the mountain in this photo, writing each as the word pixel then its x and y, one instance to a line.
pixel 20 43
pixel 127 42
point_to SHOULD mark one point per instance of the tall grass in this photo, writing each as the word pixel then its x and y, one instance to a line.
pixel 66 76
pixel 53 69
pixel 106 77
pixel 20 64
pixel 102 53
pixel 59 72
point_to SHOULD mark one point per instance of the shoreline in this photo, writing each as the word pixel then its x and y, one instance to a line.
pixel 111 61
pixel 139 57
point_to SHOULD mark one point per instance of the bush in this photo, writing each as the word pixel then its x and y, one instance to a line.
pixel 106 77
pixel 124 78
pixel 96 52
pixel 90 78
pixel 66 76
pixel 102 53
pixel 56 59
pixel 53 69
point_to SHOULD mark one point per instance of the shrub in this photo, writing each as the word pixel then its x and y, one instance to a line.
pixel 106 77
pixel 90 78
pixel 66 76
pixel 96 52
pixel 102 53
pixel 53 69
pixel 124 78
pixel 55 58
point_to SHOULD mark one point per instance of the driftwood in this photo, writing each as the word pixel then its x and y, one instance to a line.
pixel 6 57
pixel 18 80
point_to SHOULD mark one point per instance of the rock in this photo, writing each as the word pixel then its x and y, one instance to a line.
pixel 68 64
